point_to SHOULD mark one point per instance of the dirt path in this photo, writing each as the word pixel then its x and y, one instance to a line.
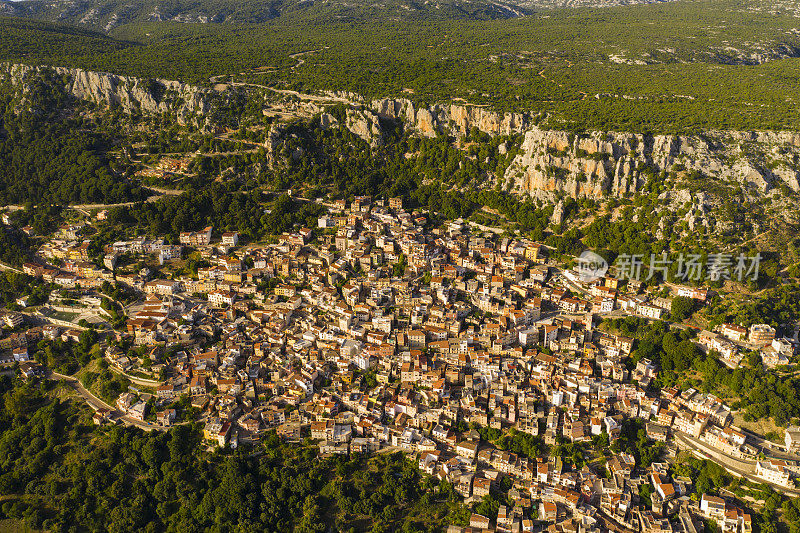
pixel 3 266
pixel 304 96
pixel 298 57
pixel 164 192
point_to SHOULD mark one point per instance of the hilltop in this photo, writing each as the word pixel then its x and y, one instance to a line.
pixel 675 67
pixel 105 15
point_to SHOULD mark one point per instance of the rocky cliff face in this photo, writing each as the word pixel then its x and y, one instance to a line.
pixel 131 94
pixel 603 163
pixel 361 122
pixel 548 162
pixel 451 118
pixel 609 163
pixel 363 117
pixel 592 165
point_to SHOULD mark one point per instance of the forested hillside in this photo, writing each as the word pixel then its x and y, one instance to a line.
pixel 59 473
pixel 105 15
pixel 108 14
pixel 678 66
pixel 28 38
pixel 50 153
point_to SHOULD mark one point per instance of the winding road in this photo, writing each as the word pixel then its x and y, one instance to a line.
pixel 135 380
pixel 96 403
pixel 737 467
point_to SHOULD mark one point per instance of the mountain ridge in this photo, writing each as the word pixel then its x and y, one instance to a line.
pixel 105 15
pixel 549 162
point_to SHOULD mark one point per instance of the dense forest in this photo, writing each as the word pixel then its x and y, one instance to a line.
pixel 59 473
pixel 49 153
pixel 645 68
pixel 757 392
pixel 25 38
pixel 15 246
pixel 215 206
pixel 108 14
pixel 14 285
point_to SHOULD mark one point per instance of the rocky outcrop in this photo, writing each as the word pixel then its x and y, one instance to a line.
pixel 557 218
pixel 789 176
pixel 697 207
pixel 552 163
pixel 131 94
pixel 361 122
pixel 450 118
pixel 549 163
pixel 272 143
pixel 465 118
pixel 365 124
pixel 558 162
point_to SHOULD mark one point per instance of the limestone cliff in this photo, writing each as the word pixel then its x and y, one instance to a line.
pixel 361 122
pixel 450 118
pixel 611 163
pixel 131 94
pixel 547 163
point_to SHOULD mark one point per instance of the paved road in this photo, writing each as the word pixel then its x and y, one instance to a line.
pixel 4 266
pixel 737 467
pixel 771 449
pixel 391 449
pixel 557 272
pixel 96 403
pixel 93 401
pixel 138 381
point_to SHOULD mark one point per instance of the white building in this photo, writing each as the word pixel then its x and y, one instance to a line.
pixel 230 239
pixel 774 471
pixel 761 334
pixel 792 438
pixel 650 311
pixel 220 298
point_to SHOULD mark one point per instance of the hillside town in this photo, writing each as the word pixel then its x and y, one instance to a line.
pixel 379 330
